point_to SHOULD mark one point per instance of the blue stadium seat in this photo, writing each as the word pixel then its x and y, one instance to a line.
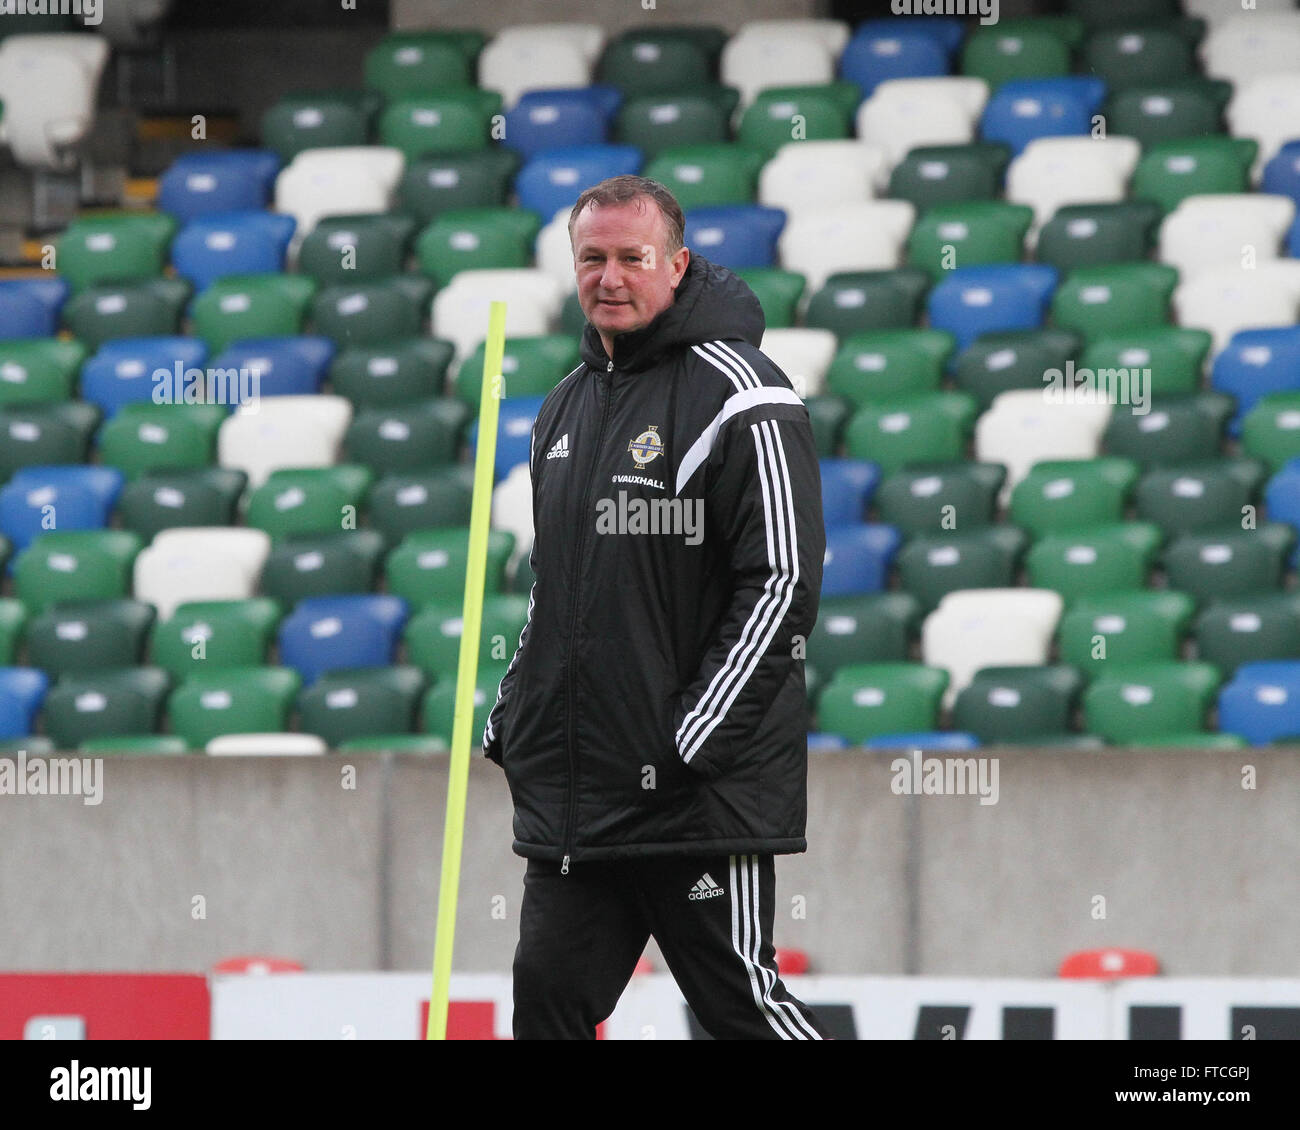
pixel 30 307
pixel 561 118
pixel 1282 174
pixel 226 180
pixel 1001 296
pixel 22 690
pixel 925 740
pixel 1282 497
pixel 826 743
pixel 1262 703
pixel 123 370
pixel 888 49
pixel 231 243
pixel 327 633
pixel 736 235
pixel 1255 363
pixel 948 31
pixel 514 433
pixel 1024 109
pixel 858 559
pixel 556 178
pixel 847 487
pixel 286 366
pixel 72 497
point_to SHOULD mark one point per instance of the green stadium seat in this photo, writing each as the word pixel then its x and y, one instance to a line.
pixel 1115 298
pixel 530 366
pixel 925 428
pixel 876 627
pixel 34 745
pixel 163 499
pixel 1168 112
pixel 44 434
pixel 92 635
pixel 671 119
pixel 828 415
pixel 700 176
pixel 407 437
pixel 854 302
pixel 1199 496
pixel 1150 700
pixel 425 500
pixel 38 371
pixel 13 619
pixel 864 700
pixel 1072 494
pixel 394 743
pixel 1171 171
pixel 1107 630
pixel 930 566
pixel 934 175
pixel 646 62
pixel 372 313
pixel 152 308
pixel 999 54
pixel 1249 629
pixel 1130 55
pixel 309 500
pixel 1271 430
pixel 1175 356
pixel 448 121
pixel 1175 430
pixel 432 635
pixel 1100 13
pixel 1098 559
pixel 144 437
pixel 798 113
pixel 346 561
pixel 1018 704
pixel 1229 563
pixel 476 239
pixel 250 306
pixel 390 373
pixel 968 234
pixel 430 565
pixel 115 247
pixel 351 249
pixel 1016 359
pixel 475 178
pixel 572 319
pixel 1191 741
pixel 348 704
pixel 208 635
pixel 134 744
pixel 1095 235
pixel 75 565
pixel 319 120
pixel 232 700
pixel 778 292
pixel 411 62
pixel 932 498
pixel 881 366
pixel 101 704
pixel 438 707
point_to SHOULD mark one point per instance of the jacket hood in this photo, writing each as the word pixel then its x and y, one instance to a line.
pixel 711 303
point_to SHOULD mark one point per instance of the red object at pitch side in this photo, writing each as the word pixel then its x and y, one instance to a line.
pixel 255 963
pixel 1110 962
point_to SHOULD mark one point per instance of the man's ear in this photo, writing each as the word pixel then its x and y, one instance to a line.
pixel 677 264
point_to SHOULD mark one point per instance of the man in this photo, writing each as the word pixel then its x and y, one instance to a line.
pixel 653 722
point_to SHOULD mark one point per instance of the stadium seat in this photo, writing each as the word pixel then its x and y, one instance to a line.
pixel 231 700
pixel 878 367
pixel 22 690
pixel 783 115
pixel 160 500
pixel 802 354
pixel 332 564
pixel 391 373
pixel 1282 496
pixel 280 366
pixel 460 311
pixel 351 249
pixel 330 119
pixel 1111 299
pixel 134 745
pixel 995 363
pixel 703 175
pixel 904 114
pixel 140 370
pixel 852 302
pixel 231 243
pixel 1210 231
pixel 343 705
pixel 69 498
pixel 828 416
pixel 1054 172
pixel 93 635
pixel 560 118
pixel 1173 170
pixel 145 309
pixel 1172 356
pixel 736 236
pixel 1130 55
pixel 114 247
pixel 1254 364
pixel 972 301
pixel 43 434
pixel 863 700
pixel 931 565
pixel 283 431
pixel 37 370
pixel 224 180
pixel 1022 110
pixel 449 120
pixel 512 511
pixel 74 565
pixel 535 56
pixel 1271 429
pixel 870 628
pixel 1072 495
pixel 410 62
pixel 1102 631
pixel 641 61
pixel 1229 562
pixel 1199 496
pixel 754 62
pixel 930 175
pixel 267 745
pixel 1229 299
pixel 923 428
pixel 1014 50
pixel 1248 629
pixel 514 433
pixel 868 236
pixel 190 563
pixel 882 50
pixel 212 635
pixel 1018 703
pixel 1156 114
pixel 443 181
pixel 429 565
pixel 257 305
pixel 348 180
pixel 98 704
pixel 969 234
pixel 45 132
pixel 307 501
pixel 930 498
pixel 145 437
pixel 438 706
pixel 847 487
pixel 1176 430
pixel 918 740
pixel 1148 700
pixel 371 313
pixel 530 366
pixel 328 633
pixel 555 179
pixel 858 559
pixel 1095 559
pixel 1022 427
pixel 1282 173
pixel 476 239
pixel 408 437
pixel 30 307
pixel 394 743
pixel 433 634
pixel 400 504
pixel 1250 43
pixel 670 119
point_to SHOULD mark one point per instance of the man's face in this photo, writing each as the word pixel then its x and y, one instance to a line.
pixel 624 278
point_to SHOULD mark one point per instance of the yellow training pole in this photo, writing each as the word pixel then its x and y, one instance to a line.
pixel 467 675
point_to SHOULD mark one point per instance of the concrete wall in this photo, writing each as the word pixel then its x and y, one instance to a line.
pixel 289 861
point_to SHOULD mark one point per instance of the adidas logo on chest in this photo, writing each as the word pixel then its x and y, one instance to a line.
pixel 561 448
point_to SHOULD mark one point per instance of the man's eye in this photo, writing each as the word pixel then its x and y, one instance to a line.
pixel 632 258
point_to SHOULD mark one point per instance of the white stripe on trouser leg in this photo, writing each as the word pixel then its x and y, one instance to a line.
pixel 784 1009
pixel 739 922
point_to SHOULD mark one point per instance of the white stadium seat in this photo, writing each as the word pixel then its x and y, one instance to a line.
pixel 512 510
pixel 1215 229
pixel 200 563
pixel 1226 299
pixel 803 355
pixel 587 38
pixel 752 63
pixel 267 745
pixel 974 628
pixel 49 86
pixel 1023 427
pixel 850 237
pixel 831 34
pixel 1252 44
pixel 1055 171
pixel 555 252
pixel 538 57
pixel 1266 109
pixel 808 175
pixel 460 310
pixel 347 180
pixel 282 432
pixel 904 113
pixel 1216 11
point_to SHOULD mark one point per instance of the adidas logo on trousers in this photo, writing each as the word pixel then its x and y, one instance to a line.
pixel 705 888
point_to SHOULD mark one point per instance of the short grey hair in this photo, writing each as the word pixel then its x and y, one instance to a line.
pixel 625 189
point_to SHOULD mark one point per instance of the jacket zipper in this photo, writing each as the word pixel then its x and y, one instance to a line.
pixel 571 813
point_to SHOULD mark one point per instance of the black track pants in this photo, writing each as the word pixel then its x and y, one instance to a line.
pixel 580 936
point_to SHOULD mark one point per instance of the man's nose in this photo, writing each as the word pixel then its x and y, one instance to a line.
pixel 611 278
